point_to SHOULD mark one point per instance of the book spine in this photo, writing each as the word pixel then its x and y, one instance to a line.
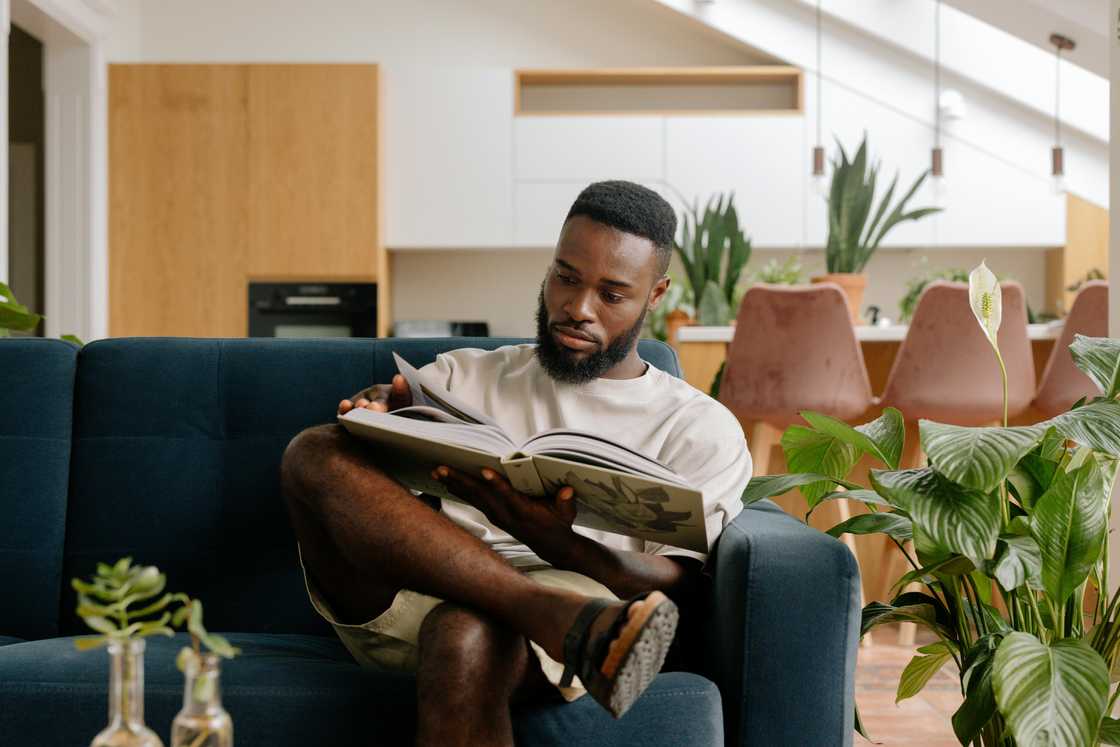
pixel 522 475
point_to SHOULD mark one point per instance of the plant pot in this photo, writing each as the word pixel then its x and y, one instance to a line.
pixel 674 320
pixel 853 285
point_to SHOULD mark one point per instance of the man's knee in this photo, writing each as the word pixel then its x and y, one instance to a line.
pixel 460 640
pixel 309 452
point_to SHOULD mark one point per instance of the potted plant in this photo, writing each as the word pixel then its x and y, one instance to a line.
pixel 852 240
pixel 787 272
pixel 117 602
pixel 1015 514
pixel 15 317
pixel 714 250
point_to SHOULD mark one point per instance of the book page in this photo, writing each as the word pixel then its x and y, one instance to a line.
pixel 614 501
pixel 438 397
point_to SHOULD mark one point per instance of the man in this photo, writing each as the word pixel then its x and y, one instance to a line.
pixel 527 594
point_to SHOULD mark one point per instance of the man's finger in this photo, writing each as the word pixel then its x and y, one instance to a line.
pixel 345 406
pixel 399 393
pixel 499 483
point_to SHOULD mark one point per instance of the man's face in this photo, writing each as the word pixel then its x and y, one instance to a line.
pixel 594 299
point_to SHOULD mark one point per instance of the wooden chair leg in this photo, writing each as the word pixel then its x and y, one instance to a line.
pixel 844 509
pixel 763 438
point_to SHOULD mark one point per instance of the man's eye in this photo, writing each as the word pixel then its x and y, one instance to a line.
pixel 613 298
pixel 566 279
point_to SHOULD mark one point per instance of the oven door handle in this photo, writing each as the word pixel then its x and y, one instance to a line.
pixel 313 301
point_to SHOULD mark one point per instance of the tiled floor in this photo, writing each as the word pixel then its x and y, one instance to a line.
pixel 922 720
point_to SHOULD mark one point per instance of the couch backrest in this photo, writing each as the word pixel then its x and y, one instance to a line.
pixel 176 453
pixel 36 404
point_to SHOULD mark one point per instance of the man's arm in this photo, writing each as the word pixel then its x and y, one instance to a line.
pixel 545 525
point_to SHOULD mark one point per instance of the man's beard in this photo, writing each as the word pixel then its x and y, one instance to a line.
pixel 562 365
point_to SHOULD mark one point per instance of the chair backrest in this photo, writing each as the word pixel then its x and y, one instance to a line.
pixel 176 454
pixel 946 369
pixel 36 407
pixel 1062 382
pixel 794 349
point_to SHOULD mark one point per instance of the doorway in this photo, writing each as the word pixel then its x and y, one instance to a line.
pixel 26 133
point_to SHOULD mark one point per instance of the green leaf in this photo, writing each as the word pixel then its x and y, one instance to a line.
pixel 1069 524
pixel 862 495
pixel 767 486
pixel 881 438
pixel 713 309
pixel 976 458
pixel 88 643
pixel 958 519
pixel 72 338
pixel 1110 731
pixel 1018 561
pixel 979 702
pixel 101 624
pixel 885 522
pixel 1050 695
pixel 1099 358
pixel 919 671
pixel 808 450
pixel 1096 425
pixel 912 606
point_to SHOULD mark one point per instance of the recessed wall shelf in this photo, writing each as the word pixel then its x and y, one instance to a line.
pixel 761 89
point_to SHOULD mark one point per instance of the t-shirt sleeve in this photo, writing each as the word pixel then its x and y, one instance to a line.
pixel 710 454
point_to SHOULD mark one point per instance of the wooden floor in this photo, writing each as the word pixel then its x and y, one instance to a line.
pixel 922 720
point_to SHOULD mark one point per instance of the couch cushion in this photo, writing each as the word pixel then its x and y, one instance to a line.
pixel 298 689
pixel 5 640
pixel 177 446
pixel 36 401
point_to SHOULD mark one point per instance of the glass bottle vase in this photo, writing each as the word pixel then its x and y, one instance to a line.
pixel 126 699
pixel 202 722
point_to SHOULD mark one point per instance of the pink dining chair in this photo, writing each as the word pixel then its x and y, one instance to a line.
pixel 1062 382
pixel 946 371
pixel 793 349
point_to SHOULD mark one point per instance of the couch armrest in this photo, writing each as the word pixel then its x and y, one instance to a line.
pixel 783 632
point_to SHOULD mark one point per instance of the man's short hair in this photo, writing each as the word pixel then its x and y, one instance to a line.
pixel 634 209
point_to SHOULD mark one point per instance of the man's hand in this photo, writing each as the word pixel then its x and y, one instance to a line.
pixel 379 397
pixel 544 524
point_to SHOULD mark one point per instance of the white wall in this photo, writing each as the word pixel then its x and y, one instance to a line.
pixel 463 174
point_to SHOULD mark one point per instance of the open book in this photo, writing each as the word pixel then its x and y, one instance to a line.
pixel 616 488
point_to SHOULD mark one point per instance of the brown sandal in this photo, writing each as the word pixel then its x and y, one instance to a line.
pixel 617 665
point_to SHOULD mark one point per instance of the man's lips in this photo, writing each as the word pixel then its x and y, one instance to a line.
pixel 570 338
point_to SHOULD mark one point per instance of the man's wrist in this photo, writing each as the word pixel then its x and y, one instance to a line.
pixel 560 550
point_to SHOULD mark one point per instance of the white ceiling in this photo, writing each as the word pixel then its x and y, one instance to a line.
pixel 1084 21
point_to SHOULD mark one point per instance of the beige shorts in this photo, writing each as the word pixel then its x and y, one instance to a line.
pixel 390 640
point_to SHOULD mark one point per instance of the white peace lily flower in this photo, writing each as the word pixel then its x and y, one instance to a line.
pixel 986 300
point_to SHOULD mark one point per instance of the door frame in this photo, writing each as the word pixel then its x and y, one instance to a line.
pixel 76 158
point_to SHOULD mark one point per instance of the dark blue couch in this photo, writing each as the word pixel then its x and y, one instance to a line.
pixel 168 450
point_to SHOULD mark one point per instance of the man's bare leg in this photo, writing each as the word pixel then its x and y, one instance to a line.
pixel 471 670
pixel 382 538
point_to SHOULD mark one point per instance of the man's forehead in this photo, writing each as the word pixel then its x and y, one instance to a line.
pixel 590 247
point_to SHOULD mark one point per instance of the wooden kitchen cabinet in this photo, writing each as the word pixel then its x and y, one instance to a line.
pixel 219 174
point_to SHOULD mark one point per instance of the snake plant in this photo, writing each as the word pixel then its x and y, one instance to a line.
pixel 851 240
pixel 714 250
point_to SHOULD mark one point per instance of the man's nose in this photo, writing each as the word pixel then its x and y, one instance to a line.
pixel 580 307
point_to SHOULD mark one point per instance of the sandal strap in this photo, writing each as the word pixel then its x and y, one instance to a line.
pixel 582 656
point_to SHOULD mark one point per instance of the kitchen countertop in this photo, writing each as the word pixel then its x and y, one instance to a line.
pixel 864 333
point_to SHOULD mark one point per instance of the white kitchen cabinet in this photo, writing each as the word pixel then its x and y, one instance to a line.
pixel 759 157
pixel 448 153
pixel 588 148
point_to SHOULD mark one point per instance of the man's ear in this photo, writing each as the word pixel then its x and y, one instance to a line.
pixel 658 292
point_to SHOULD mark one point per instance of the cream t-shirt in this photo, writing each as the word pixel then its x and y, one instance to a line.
pixel 656 414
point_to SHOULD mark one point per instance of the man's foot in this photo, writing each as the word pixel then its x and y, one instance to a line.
pixel 617 650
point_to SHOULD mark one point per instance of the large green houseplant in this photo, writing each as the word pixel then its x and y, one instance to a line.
pixel 852 239
pixel 1006 533
pixel 714 250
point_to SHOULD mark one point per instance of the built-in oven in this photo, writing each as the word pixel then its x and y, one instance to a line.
pixel 312 309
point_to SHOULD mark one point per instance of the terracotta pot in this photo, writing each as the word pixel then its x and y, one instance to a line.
pixel 853 285
pixel 674 320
